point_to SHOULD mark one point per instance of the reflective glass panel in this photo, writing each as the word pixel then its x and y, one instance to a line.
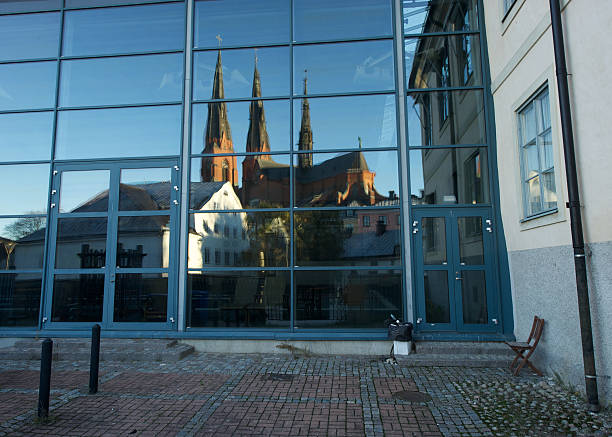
pixel 241 22
pixel 474 297
pixel 127 79
pixel 141 297
pixel 449 176
pixel 29 36
pixel 29 85
pixel 257 299
pixel 350 18
pixel 347 299
pixel 344 122
pixel 119 132
pixel 26 136
pixel 437 306
pixel 19 299
pixel 344 67
pixel 8 6
pixel 98 3
pixel 238 68
pixel 81 243
pixel 347 237
pixel 84 191
pixel 255 239
pixel 471 246
pixel 534 196
pixel 240 127
pixel 124 29
pixel 77 298
pixel 235 182
pixel 446 118
pixel 143 242
pixel 434 240
pixel 443 61
pixel 145 189
pixel 549 191
pixel 346 179
pixel 24 188
pixel 22 242
pixel 426 16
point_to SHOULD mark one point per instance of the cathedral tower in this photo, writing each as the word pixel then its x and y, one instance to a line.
pixel 305 142
pixel 218 137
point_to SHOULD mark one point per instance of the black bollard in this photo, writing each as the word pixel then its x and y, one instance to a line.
pixel 45 378
pixel 94 363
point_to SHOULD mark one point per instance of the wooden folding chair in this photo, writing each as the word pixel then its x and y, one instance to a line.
pixel 528 347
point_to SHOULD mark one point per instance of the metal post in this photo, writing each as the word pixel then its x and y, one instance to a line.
pixel 45 378
pixel 94 362
pixel 584 310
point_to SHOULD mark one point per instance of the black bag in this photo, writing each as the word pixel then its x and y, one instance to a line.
pixel 401 331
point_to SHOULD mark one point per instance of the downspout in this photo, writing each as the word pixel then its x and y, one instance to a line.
pixel 584 311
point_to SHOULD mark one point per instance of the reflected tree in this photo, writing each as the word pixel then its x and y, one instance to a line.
pixel 319 236
pixel 25 226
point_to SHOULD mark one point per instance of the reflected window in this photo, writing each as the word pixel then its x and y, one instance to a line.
pixel 449 176
pixel 537 156
pixel 22 242
pixel 430 16
pixel 19 298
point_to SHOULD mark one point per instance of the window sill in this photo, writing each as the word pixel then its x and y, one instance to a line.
pixel 540 214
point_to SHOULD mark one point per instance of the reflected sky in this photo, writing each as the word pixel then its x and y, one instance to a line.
pixel 238 67
pixel 131 79
pixel 439 15
pixel 24 188
pixel 344 67
pixel 27 86
pixel 26 136
pixel 241 22
pixel 350 18
pixel 29 36
pixel 78 187
pixel 107 133
pixel 124 29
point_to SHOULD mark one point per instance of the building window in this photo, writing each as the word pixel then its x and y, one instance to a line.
pixel 444 96
pixel 217 257
pixel 366 221
pixel 507 5
pixel 466 42
pixel 216 228
pixel 206 255
pixel 227 258
pixel 536 149
pixel 226 231
pixel 382 219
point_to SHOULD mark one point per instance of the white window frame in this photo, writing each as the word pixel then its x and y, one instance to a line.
pixel 539 104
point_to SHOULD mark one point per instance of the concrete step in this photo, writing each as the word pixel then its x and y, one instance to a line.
pixel 469 348
pixel 458 354
pixel 110 350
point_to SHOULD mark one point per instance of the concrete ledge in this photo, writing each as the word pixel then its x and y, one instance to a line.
pixel 300 347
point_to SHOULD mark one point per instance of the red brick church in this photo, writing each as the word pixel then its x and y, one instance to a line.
pixel 340 181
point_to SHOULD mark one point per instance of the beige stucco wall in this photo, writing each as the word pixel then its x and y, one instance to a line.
pixel 522 60
pixel 540 250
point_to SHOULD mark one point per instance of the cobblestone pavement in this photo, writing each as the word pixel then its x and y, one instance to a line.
pixel 283 395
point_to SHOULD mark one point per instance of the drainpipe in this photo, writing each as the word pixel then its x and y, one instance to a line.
pixel 584 311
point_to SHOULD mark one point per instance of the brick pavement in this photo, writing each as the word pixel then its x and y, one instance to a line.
pixel 276 395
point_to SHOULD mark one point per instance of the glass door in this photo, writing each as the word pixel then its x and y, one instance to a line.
pixel 113 227
pixel 455 272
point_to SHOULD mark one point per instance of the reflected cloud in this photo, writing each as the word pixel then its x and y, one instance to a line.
pixel 373 69
pixel 4 94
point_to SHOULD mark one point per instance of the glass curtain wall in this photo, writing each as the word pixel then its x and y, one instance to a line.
pixel 79 82
pixel 294 219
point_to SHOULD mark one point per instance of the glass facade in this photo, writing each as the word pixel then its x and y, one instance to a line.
pixel 291 134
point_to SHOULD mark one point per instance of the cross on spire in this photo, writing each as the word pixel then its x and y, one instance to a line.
pixel 219 39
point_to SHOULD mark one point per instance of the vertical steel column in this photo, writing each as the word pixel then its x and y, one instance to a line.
pixel 584 310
